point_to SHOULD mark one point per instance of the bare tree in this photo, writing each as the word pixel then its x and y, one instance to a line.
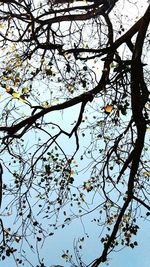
pixel 79 61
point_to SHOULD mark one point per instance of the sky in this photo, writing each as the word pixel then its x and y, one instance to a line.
pixel 64 238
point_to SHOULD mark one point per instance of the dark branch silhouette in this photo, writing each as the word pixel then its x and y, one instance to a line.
pixel 74 88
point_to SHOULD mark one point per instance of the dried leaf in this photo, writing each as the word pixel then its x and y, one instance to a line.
pixel 108 108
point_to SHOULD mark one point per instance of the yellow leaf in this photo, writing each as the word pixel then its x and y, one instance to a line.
pixel 111 65
pixel 17 56
pixel 66 55
pixel 108 108
pixel 42 60
pixel 105 69
pixel 15 94
pixel 8 111
pixel 148 128
pixel 147 173
pixel 25 90
pixel 5 78
pixel 13 47
pixel 126 218
pixel 18 63
pixel 72 172
pixel 1 26
pixel 45 104
pixel 10 62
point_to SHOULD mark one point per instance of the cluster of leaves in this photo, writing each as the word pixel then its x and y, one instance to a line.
pixel 69 92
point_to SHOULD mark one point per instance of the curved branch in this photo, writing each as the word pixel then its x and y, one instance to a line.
pixel 141 202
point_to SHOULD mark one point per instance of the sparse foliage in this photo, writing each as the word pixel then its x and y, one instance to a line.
pixel 74 133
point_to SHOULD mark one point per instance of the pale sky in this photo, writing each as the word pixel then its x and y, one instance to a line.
pixel 63 238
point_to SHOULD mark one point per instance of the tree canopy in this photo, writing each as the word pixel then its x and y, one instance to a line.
pixel 74 133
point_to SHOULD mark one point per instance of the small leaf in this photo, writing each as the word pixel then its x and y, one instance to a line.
pixel 72 172
pixel 65 256
pixel 87 186
pixel 111 65
pixel 105 69
pixel 110 221
pixel 17 80
pixel 47 168
pixel 17 238
pixel 1 26
pixel 45 104
pixel 25 90
pixel 67 220
pixel 85 45
pixel 15 94
pixel 108 109
pixel 70 88
pixel 49 72
pixel 9 90
pixel 5 78
pixel 123 111
pixel 17 75
pixel 18 63
pixel 147 173
pixel 51 234
pixel 66 55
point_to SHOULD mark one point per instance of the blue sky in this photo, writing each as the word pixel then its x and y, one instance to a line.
pixel 63 240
